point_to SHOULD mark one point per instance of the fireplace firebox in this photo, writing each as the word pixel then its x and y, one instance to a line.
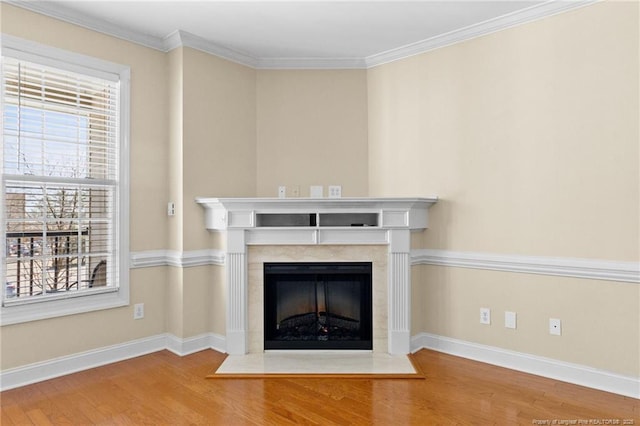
pixel 317 305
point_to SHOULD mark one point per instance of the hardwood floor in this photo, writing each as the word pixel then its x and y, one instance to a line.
pixel 162 388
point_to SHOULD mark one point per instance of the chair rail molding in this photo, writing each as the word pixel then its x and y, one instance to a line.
pixel 179 259
pixel 595 269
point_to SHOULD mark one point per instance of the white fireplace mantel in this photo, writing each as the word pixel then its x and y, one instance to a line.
pixel 322 221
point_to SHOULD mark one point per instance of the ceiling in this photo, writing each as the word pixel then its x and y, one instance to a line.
pixel 300 34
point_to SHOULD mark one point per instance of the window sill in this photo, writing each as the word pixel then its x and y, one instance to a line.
pixel 56 307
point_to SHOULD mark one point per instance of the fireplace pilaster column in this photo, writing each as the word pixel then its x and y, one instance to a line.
pixel 399 282
pixel 237 319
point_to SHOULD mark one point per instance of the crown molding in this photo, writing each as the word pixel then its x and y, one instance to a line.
pixel 179 38
pixel 533 13
pixel 82 20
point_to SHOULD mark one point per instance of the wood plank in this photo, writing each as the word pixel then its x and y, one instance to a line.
pixel 163 388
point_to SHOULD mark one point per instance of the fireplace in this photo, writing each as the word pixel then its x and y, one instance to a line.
pixel 318 305
pixel 328 231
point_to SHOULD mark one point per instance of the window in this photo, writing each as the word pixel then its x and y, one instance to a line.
pixel 64 182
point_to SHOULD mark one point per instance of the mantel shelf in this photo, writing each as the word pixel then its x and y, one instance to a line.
pixel 316 213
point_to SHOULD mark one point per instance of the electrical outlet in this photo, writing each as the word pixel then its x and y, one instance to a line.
pixel 138 311
pixel 335 191
pixel 509 319
pixel 485 316
pixel 282 191
pixel 171 208
pixel 555 327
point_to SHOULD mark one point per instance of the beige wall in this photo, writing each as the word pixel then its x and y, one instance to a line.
pixel 312 130
pixel 149 117
pixel 175 161
pixel 37 341
pixel 213 139
pixel 213 154
pixel 42 340
pixel 600 322
pixel 530 137
pixel 219 137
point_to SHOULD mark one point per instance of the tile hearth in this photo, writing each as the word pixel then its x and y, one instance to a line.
pixel 316 362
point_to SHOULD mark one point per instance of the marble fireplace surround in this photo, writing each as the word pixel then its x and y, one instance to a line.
pixel 262 230
pixel 375 254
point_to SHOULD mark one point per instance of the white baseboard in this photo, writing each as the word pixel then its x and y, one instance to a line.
pixel 194 344
pixel 540 366
pixel 57 367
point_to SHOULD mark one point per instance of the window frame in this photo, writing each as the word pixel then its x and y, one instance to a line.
pixel 107 298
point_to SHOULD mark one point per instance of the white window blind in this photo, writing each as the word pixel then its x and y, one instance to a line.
pixel 60 182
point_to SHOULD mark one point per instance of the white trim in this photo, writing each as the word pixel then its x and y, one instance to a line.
pixel 202 258
pixel 239 217
pixel 69 60
pixel 194 344
pixel 45 370
pixel 148 259
pixel 180 38
pixel 541 366
pixel 71 16
pixel 172 41
pixel 124 187
pixel 155 258
pixel 500 23
pixel 41 310
pixel 595 269
pixel 242 213
pixel 546 367
pixel 30 50
pixel 37 372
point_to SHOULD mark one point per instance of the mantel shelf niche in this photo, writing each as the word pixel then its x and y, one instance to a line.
pixel 381 213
